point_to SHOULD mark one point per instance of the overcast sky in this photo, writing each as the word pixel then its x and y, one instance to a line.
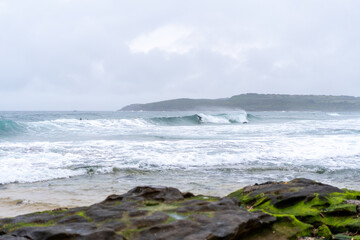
pixel 104 54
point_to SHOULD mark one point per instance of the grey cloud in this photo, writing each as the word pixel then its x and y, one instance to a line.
pixel 67 54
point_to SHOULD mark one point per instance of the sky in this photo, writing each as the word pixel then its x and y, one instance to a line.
pixel 105 54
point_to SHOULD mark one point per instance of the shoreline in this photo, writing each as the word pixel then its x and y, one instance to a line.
pixel 23 198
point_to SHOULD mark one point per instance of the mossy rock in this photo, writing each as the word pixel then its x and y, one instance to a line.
pixel 324 232
pixel 345 237
pixel 142 213
pixel 291 227
pixel 270 211
pixel 307 201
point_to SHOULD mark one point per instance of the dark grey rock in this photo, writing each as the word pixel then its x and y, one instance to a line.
pixel 99 212
pixel 73 219
pixel 283 194
pixel 115 225
pixel 155 218
pixel 164 194
pixel 139 210
pixel 76 231
pixel 204 206
pixel 228 224
pixel 68 231
pixel 9 237
pixel 102 235
pixel 137 213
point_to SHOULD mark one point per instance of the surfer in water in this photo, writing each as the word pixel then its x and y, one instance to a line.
pixel 199 117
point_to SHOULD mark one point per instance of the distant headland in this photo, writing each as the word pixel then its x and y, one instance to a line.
pixel 255 102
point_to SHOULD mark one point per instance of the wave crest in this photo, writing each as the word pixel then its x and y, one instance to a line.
pixel 224 118
pixel 201 118
pixel 9 127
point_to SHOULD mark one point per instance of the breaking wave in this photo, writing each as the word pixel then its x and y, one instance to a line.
pixel 193 145
pixel 9 128
pixel 68 128
pixel 201 118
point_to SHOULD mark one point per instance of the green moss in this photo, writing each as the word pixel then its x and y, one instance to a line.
pixel 346 237
pixel 237 194
pixel 117 203
pixel 291 227
pixel 133 233
pixel 82 214
pixel 159 207
pixel 301 208
pixel 126 219
pixel 151 203
pixel 153 206
pixel 171 219
pixel 12 227
pixel 209 214
pixel 52 212
pixel 338 198
pixel 341 224
pixel 246 199
pixel 294 189
pixel 324 232
pixel 341 209
pixel 130 233
pixel 330 210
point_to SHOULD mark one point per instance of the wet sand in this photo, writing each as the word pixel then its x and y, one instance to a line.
pixel 22 198
pixel 19 199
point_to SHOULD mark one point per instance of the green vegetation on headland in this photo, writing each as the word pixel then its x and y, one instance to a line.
pixel 255 102
pixel 299 209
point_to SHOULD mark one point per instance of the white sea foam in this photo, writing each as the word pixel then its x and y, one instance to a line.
pixel 261 150
pixel 36 161
pixel 99 124
pixel 334 114
pixel 213 119
pixel 238 117
pixel 68 128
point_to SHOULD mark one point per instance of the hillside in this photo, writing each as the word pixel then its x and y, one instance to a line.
pixel 255 102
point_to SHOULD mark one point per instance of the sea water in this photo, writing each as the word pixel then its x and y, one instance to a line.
pixel 51 159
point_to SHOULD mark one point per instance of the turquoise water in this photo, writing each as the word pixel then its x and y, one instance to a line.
pixel 202 149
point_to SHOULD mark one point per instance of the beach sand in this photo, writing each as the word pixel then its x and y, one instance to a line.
pixel 23 198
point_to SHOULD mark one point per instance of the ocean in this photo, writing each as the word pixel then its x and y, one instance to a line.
pixel 65 159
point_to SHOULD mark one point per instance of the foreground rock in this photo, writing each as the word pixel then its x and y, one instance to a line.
pixel 142 213
pixel 305 208
pixel 299 209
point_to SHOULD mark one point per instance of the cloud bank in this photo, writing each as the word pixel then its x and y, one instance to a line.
pixel 102 55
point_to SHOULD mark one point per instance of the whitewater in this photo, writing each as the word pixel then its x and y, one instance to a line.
pixel 80 157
